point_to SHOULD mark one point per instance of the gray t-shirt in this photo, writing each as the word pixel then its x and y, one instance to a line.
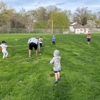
pixel 34 40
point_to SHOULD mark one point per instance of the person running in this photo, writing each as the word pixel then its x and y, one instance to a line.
pixel 57 65
pixel 4 49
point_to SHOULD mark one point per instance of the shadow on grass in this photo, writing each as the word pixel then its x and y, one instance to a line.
pixel 52 74
pixel 62 89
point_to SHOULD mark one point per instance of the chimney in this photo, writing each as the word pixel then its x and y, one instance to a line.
pixel 84 28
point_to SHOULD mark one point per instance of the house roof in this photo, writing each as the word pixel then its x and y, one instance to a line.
pixel 76 25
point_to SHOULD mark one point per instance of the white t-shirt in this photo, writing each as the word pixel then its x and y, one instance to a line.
pixel 40 40
pixel 3 46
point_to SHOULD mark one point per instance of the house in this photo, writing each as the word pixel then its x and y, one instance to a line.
pixel 78 29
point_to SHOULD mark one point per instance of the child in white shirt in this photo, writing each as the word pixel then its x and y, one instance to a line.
pixel 40 41
pixel 4 49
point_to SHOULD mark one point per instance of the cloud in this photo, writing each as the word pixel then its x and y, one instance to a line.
pixel 64 4
pixel 59 3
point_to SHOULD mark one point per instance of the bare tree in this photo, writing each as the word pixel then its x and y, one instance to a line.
pixel 17 21
pixel 69 14
pixel 82 15
pixel 50 9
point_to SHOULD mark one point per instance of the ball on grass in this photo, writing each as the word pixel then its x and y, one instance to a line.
pixel 16 39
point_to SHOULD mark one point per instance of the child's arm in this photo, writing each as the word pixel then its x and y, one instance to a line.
pixel 52 61
pixel 10 46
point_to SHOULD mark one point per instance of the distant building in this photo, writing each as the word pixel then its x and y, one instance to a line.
pixel 78 29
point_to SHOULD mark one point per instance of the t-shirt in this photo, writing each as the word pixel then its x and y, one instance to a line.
pixel 53 39
pixel 3 46
pixel 34 40
pixel 40 40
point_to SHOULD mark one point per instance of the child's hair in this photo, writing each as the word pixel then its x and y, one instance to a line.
pixel 40 36
pixel 3 41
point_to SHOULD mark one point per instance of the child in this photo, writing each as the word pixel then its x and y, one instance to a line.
pixel 57 65
pixel 4 51
pixel 53 40
pixel 40 41
pixel 88 38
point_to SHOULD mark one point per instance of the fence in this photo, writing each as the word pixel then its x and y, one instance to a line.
pixel 22 30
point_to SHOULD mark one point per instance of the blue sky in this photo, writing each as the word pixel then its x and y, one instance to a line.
pixel 93 5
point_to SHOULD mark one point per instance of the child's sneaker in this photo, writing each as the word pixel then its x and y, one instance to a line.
pixel 58 79
pixel 55 81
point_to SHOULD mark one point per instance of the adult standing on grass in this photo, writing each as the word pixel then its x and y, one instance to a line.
pixel 88 38
pixel 57 65
pixel 4 49
pixel 33 43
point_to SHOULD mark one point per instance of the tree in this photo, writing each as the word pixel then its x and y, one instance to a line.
pixel 17 21
pixel 91 24
pixel 60 20
pixel 69 14
pixel 40 25
pixel 98 15
pixel 82 15
pixel 42 16
pixel 98 23
pixel 92 17
pixel 5 13
pixel 50 9
pixel 39 14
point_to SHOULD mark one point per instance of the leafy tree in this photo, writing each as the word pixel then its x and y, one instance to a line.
pixel 60 20
pixel 97 23
pixel 40 25
pixel 5 13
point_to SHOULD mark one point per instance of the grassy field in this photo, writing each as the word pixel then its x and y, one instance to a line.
pixel 24 78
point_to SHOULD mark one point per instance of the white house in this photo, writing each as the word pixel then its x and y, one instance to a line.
pixel 78 29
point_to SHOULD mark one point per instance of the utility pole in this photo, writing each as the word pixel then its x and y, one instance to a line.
pixel 52 26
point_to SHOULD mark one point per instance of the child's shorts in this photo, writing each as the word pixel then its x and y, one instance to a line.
pixel 57 71
pixel 88 39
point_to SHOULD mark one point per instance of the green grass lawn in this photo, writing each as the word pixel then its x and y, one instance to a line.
pixel 24 78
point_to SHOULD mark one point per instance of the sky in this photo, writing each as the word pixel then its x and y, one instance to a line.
pixel 72 5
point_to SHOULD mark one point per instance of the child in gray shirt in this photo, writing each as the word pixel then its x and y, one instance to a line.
pixel 57 65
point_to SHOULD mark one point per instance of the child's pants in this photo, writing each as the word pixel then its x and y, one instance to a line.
pixel 5 54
